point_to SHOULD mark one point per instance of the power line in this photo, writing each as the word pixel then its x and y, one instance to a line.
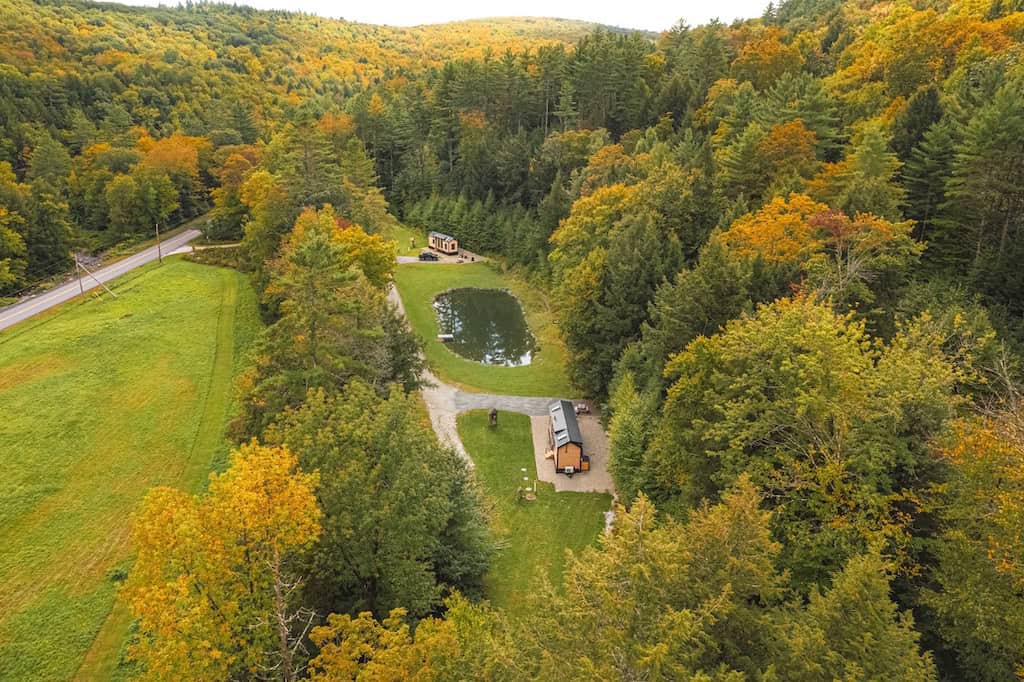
pixel 79 265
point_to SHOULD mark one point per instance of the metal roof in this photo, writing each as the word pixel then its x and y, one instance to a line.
pixel 442 235
pixel 564 424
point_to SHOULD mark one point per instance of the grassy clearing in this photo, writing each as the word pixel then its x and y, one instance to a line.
pixel 101 401
pixel 402 234
pixel 419 283
pixel 533 535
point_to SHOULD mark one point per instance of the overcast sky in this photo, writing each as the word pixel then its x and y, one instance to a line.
pixel 652 15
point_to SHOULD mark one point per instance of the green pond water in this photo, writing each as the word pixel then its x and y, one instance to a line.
pixel 487 325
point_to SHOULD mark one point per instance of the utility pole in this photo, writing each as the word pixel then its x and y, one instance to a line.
pixel 94 279
pixel 78 271
pixel 159 253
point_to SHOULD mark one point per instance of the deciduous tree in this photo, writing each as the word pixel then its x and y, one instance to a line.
pixel 213 585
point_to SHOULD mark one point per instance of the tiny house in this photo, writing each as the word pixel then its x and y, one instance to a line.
pixel 565 440
pixel 444 243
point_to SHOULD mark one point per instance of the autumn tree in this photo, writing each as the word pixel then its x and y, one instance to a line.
pixel 471 641
pixel 668 600
pixel 704 600
pixel 13 250
pixel 856 263
pixel 831 428
pixel 976 591
pixel 228 213
pixel 180 158
pixel 213 586
pixel 765 58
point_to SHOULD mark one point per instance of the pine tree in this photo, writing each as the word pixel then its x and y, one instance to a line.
pixel 696 302
pixel 743 168
pixel 985 196
pixel 925 177
pixel 866 180
pixel 923 111
pixel 566 113
pixel 854 631
pixel 628 436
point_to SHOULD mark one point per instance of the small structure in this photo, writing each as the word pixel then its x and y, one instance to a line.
pixel 443 242
pixel 565 440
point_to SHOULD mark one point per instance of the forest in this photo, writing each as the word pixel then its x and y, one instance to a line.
pixel 789 259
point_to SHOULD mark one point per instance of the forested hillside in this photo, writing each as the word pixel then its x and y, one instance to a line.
pixel 115 118
pixel 788 257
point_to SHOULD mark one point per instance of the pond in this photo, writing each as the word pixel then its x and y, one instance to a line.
pixel 486 325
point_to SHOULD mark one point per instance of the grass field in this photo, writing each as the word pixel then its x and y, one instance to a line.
pixel 418 283
pixel 100 401
pixel 401 234
pixel 533 536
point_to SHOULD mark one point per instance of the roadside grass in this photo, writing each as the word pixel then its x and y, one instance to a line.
pixel 532 536
pixel 100 402
pixel 419 283
pixel 402 233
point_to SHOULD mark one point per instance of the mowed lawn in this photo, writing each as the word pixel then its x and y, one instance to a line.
pixel 402 234
pixel 419 283
pixel 100 401
pixel 532 536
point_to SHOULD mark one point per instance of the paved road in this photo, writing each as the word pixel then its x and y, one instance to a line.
pixel 33 305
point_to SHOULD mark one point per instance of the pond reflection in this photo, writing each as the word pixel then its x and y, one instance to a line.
pixel 486 325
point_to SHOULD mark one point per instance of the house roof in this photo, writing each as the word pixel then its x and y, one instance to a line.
pixel 564 424
pixel 442 235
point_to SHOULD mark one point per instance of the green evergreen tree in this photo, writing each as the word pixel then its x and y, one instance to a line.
pixel 923 111
pixel 629 432
pixel 985 196
pixel 867 180
pixel 854 631
pixel 402 521
pixel 925 176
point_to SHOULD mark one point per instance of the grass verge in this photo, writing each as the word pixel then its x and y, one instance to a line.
pixel 419 283
pixel 532 536
pixel 102 402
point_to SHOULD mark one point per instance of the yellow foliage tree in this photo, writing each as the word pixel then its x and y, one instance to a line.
pixel 212 585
